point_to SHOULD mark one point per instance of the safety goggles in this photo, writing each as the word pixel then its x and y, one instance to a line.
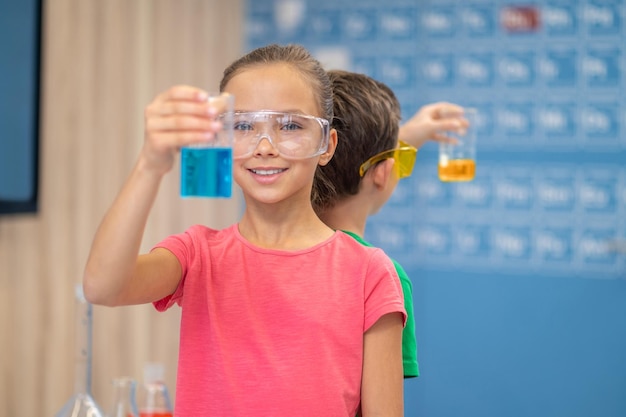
pixel 294 136
pixel 404 157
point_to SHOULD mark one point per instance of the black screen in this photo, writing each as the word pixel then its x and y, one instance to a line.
pixel 20 38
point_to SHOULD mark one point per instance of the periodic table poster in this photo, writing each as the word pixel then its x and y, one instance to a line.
pixel 519 276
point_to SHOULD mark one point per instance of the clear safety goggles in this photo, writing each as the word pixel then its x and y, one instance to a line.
pixel 294 136
pixel 403 155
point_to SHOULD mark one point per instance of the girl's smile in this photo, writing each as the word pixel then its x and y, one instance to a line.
pixel 265 172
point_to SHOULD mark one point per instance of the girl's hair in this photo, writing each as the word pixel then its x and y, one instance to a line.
pixel 297 57
pixel 367 120
pixel 301 60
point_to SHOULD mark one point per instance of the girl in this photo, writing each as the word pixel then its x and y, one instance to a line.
pixel 281 316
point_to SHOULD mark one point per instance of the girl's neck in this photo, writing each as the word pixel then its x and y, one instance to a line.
pixel 282 227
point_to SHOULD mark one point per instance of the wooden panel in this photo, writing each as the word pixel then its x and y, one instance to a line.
pixel 103 62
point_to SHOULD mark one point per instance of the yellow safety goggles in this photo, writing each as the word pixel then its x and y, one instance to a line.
pixel 404 157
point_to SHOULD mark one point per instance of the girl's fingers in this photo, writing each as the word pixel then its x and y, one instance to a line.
pixel 182 93
pixel 185 100
pixel 173 132
pixel 178 140
pixel 169 108
pixel 182 123
pixel 182 115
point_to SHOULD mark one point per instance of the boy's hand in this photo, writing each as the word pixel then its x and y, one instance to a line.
pixel 431 123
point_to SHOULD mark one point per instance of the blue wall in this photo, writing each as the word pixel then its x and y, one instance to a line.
pixel 520 275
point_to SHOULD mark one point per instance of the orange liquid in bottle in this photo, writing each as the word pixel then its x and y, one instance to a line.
pixel 155 414
pixel 457 170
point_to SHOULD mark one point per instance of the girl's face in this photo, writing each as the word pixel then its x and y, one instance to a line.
pixel 265 175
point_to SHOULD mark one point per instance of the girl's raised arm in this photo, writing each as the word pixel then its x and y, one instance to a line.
pixel 115 274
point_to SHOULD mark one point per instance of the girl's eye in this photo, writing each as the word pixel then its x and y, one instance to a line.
pixel 243 126
pixel 290 126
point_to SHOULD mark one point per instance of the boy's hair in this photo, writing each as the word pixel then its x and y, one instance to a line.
pixel 367 120
pixel 300 59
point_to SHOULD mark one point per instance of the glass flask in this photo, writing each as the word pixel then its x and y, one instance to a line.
pixel 124 404
pixel 153 397
pixel 81 404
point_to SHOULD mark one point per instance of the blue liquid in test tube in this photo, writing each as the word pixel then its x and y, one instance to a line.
pixel 206 172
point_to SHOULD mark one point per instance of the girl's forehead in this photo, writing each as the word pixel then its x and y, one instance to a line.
pixel 278 87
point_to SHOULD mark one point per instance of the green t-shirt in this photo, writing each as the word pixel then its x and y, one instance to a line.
pixel 409 342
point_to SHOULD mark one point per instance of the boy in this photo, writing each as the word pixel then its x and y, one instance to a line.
pixel 368 163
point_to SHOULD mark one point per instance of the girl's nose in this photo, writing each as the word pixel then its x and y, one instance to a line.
pixel 265 146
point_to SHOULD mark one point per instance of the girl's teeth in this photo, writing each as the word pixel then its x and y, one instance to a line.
pixel 266 171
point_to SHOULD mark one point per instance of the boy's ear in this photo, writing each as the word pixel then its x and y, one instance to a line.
pixel 381 172
pixel 332 145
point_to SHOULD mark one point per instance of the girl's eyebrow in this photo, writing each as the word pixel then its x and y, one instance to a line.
pixel 294 111
pixel 298 111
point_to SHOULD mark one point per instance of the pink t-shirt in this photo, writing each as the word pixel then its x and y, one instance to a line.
pixel 275 333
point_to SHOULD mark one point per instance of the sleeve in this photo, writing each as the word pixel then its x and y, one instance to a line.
pixel 181 246
pixel 409 339
pixel 383 292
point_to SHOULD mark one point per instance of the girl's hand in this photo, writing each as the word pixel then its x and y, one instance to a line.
pixel 431 123
pixel 177 117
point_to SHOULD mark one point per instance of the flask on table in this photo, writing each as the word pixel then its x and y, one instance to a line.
pixel 124 404
pixel 153 398
pixel 82 404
